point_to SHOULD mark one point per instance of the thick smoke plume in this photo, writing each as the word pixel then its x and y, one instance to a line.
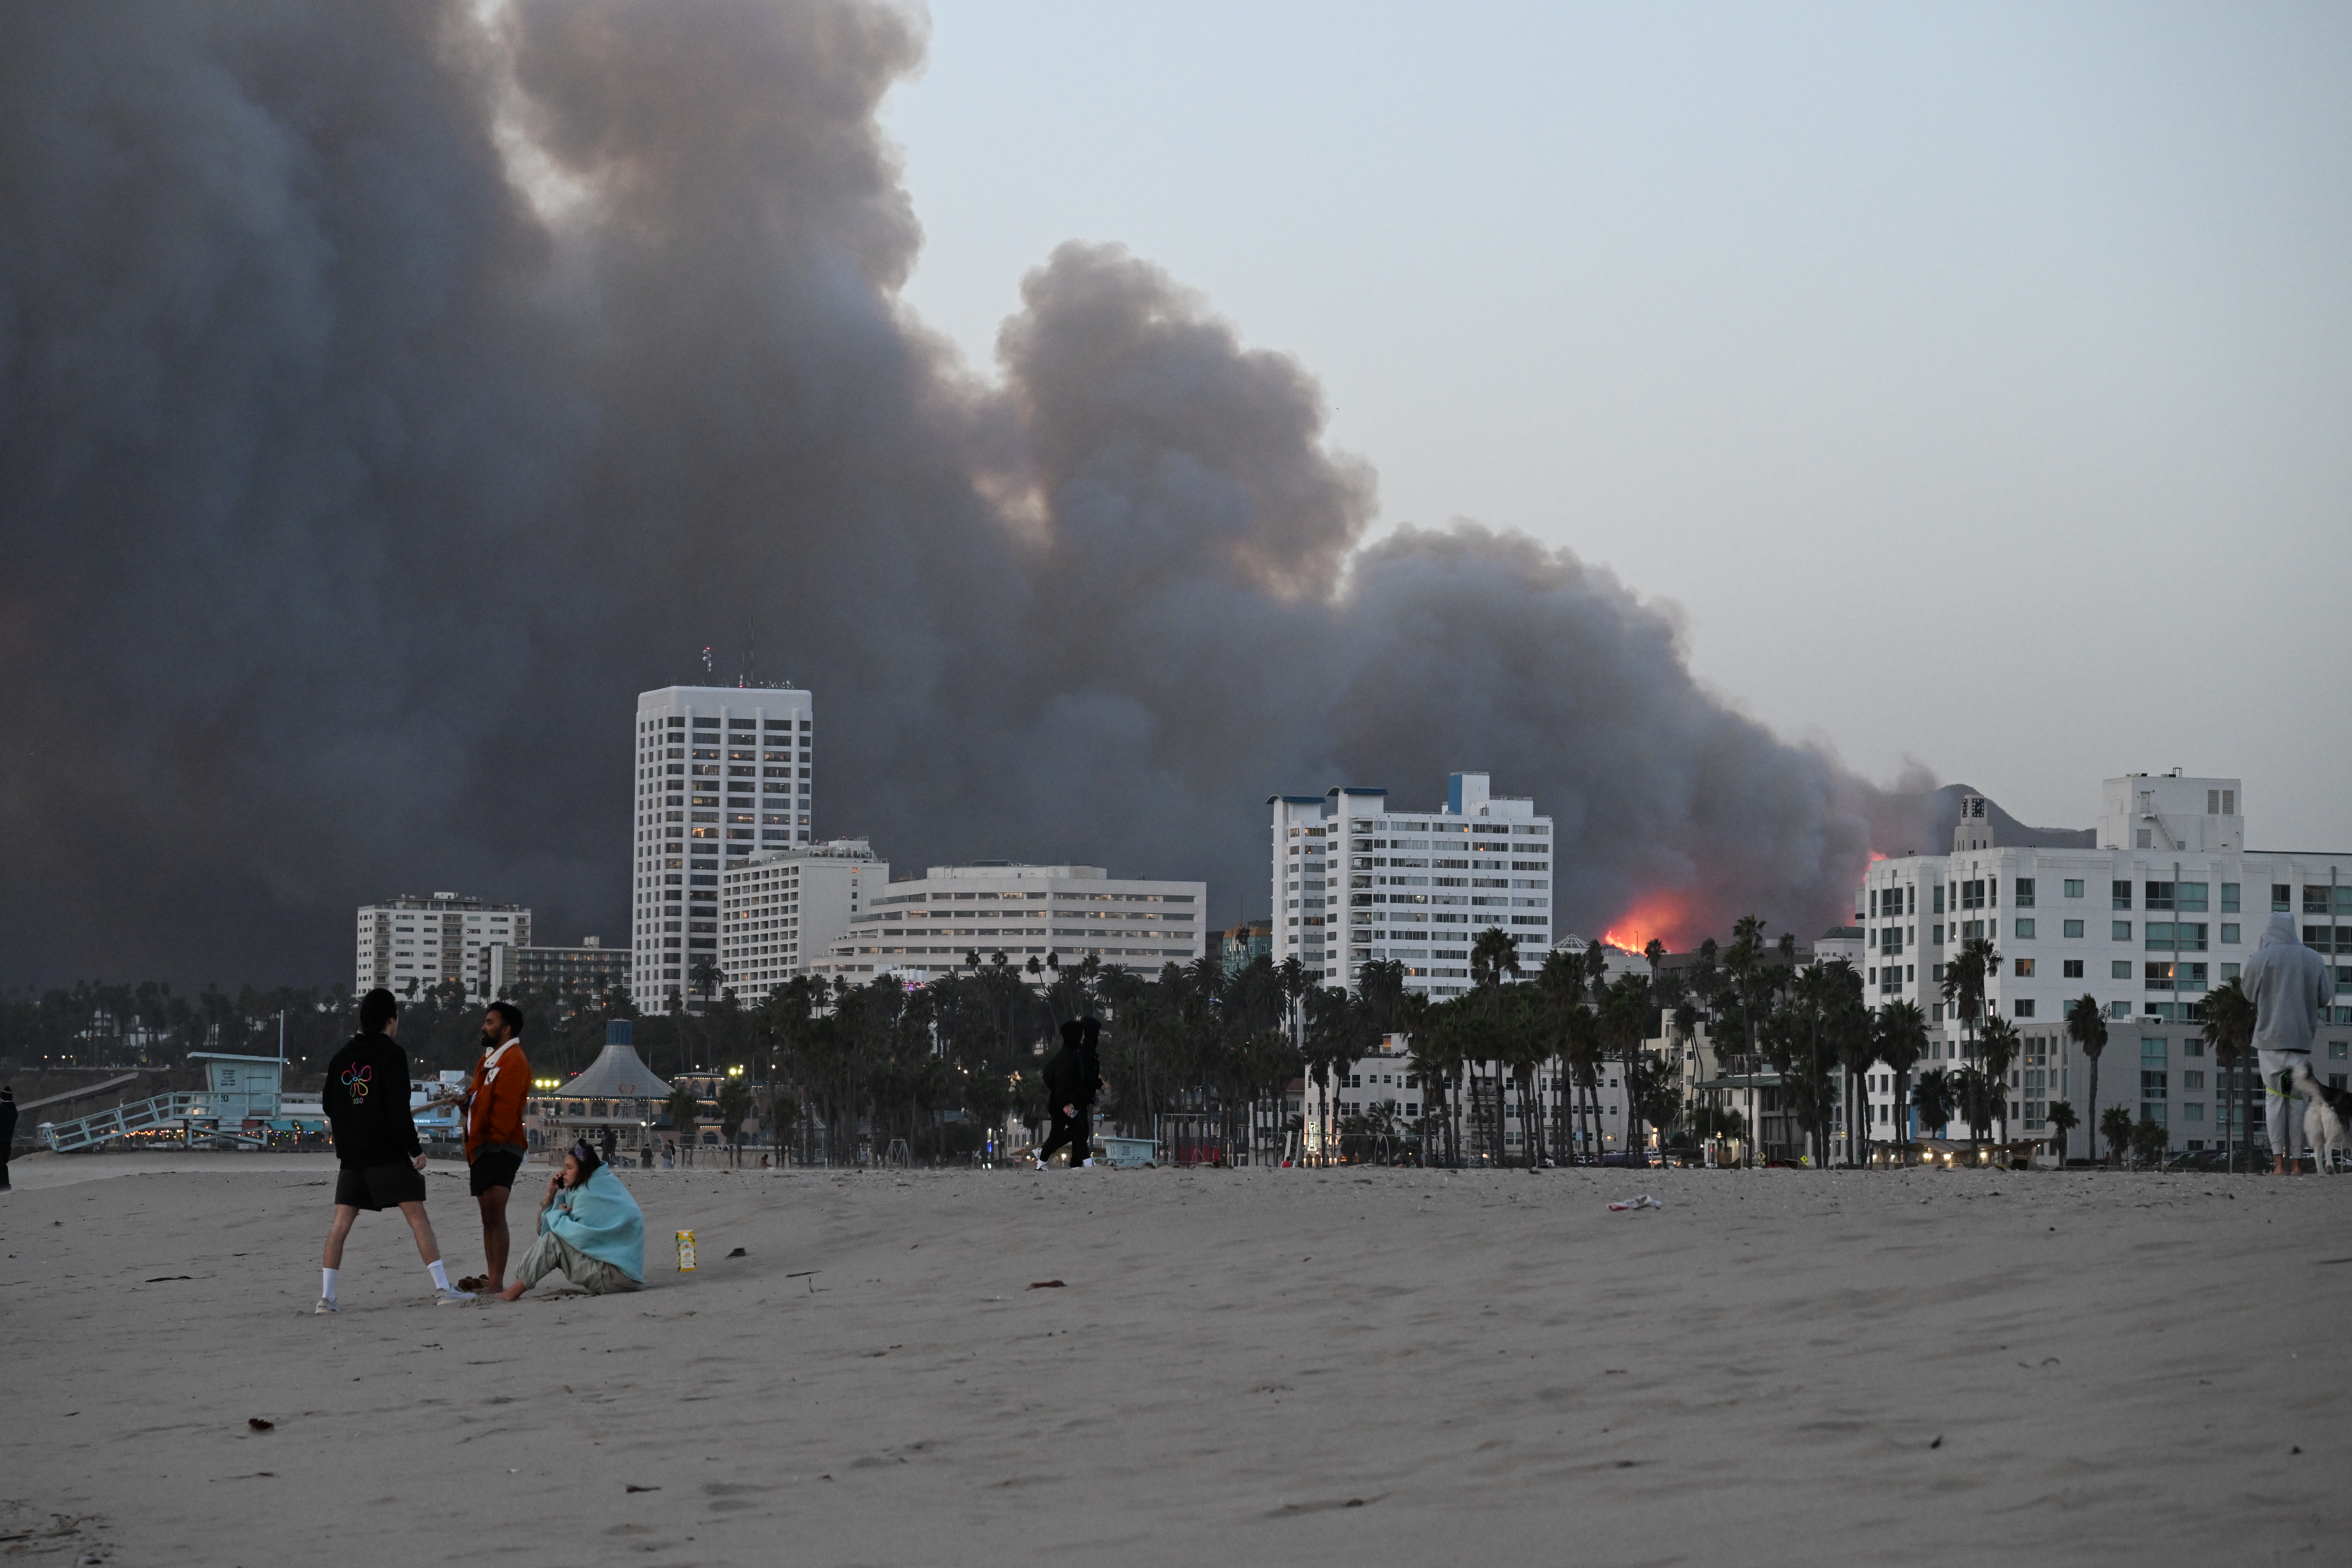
pixel 387 395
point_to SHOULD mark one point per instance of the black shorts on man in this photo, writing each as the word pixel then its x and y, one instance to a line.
pixel 379 1187
pixel 493 1168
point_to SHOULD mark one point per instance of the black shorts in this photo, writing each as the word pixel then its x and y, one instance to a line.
pixel 379 1186
pixel 494 1168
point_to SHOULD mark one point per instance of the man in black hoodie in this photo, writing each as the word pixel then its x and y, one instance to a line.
pixel 1069 1090
pixel 381 1159
pixel 7 1131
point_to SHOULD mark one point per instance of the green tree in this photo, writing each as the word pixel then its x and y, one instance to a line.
pixel 2086 1025
pixel 1900 1034
pixel 2063 1118
pixel 2148 1141
pixel 682 1108
pixel 2116 1126
pixel 2229 1031
pixel 1997 1046
pixel 735 1101
pixel 1934 1095
pixel 1966 975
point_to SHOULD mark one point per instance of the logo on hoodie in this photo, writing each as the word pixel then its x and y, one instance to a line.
pixel 355 1081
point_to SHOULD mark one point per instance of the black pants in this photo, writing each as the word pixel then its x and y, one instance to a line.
pixel 1077 1130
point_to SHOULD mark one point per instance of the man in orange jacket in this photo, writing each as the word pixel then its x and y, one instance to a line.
pixel 495 1141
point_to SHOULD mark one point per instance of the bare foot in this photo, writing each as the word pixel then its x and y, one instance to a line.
pixel 512 1292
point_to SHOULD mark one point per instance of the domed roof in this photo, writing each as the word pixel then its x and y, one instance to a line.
pixel 618 1074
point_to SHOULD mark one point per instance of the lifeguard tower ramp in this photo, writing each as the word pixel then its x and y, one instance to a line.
pixel 237 1090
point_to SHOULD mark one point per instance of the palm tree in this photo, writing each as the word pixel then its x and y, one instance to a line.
pixel 2229 1031
pixel 2000 1045
pixel 2086 1025
pixel 2063 1117
pixel 1560 992
pixel 1964 985
pixel 1743 961
pixel 1900 1034
pixel 1934 1097
pixel 1625 1014
pixel 2116 1126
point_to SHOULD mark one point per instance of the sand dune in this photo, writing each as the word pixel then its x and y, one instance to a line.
pixel 1249 1366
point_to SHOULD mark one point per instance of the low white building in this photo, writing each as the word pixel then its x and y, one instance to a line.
pixel 591 969
pixel 781 904
pixel 1355 880
pixel 933 924
pixel 414 943
pixel 2145 914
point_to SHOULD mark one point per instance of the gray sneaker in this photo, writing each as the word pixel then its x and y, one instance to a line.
pixel 447 1296
pixel 326 1304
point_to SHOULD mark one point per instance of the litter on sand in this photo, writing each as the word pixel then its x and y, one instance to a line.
pixel 1644 1202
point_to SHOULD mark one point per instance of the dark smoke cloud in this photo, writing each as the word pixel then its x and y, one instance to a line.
pixel 385 399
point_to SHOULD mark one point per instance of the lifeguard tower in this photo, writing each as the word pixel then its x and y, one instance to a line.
pixel 240 1102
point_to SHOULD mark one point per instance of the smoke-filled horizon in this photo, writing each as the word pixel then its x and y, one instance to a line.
pixel 386 399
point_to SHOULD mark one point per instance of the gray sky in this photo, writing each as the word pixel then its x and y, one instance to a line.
pixel 1974 378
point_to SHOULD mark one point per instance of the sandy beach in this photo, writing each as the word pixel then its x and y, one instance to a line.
pixel 1301 1366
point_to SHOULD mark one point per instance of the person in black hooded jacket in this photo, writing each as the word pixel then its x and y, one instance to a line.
pixel 1068 1090
pixel 382 1159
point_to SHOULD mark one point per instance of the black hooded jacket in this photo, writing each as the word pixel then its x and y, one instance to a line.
pixel 366 1101
pixel 1089 1060
pixel 1063 1076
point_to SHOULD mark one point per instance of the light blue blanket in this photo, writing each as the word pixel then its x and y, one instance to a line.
pixel 601 1219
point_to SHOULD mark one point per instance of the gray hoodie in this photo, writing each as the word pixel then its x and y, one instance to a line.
pixel 2290 985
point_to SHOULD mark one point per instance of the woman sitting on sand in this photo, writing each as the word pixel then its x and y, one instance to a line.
pixel 590 1227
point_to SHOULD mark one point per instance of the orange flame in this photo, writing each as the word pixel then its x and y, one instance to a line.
pixel 1876 855
pixel 1658 915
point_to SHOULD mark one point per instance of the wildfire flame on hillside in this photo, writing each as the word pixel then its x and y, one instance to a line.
pixel 1659 915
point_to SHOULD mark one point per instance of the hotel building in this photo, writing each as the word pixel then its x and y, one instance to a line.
pixel 932 925
pixel 1354 879
pixel 2145 914
pixel 780 904
pixel 721 773
pixel 410 943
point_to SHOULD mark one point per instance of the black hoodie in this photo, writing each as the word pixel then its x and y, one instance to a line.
pixel 366 1101
pixel 1089 1060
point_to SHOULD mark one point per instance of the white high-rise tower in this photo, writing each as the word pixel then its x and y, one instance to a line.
pixel 722 772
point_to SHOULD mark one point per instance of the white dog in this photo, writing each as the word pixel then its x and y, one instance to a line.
pixel 2325 1118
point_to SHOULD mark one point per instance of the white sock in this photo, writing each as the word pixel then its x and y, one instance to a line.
pixel 440 1274
pixel 327 1278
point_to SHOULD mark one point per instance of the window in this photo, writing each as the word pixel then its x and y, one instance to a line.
pixel 2151 1051
pixel 1940 899
pixel 2280 892
pixel 2336 1050
pixel 1972 895
pixel 2073 928
pixel 2159 895
pixel 2025 929
pixel 2025 969
pixel 2229 971
pixel 2119 931
pixel 2229 898
pixel 2229 933
pixel 2315 898
pixel 2073 967
pixel 2122 895
pixel 2118 1009
pixel 2119 970
pixel 2073 887
pixel 2025 892
pixel 2022 1007
pixel 2158 976
pixel 2189 895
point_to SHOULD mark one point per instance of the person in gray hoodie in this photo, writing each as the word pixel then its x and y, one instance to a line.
pixel 2291 989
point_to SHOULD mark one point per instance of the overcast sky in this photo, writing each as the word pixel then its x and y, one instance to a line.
pixel 1974 378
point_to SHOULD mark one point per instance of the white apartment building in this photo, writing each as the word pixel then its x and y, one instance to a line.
pixel 413 943
pixel 2157 905
pixel 591 969
pixel 783 903
pixel 932 926
pixel 721 773
pixel 1354 881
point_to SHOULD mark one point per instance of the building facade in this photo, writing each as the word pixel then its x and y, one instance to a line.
pixel 2161 903
pixel 721 773
pixel 1354 881
pixel 416 941
pixel 591 969
pixel 781 904
pixel 935 925
pixel 1245 946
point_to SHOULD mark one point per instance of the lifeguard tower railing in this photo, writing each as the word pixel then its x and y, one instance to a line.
pixel 239 1098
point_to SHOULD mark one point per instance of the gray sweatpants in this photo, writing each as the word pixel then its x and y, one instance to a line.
pixel 2282 1111
pixel 551 1253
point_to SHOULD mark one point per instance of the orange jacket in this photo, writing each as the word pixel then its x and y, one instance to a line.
pixel 494 1100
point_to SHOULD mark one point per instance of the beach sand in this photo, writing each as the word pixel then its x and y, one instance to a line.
pixel 1293 1366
